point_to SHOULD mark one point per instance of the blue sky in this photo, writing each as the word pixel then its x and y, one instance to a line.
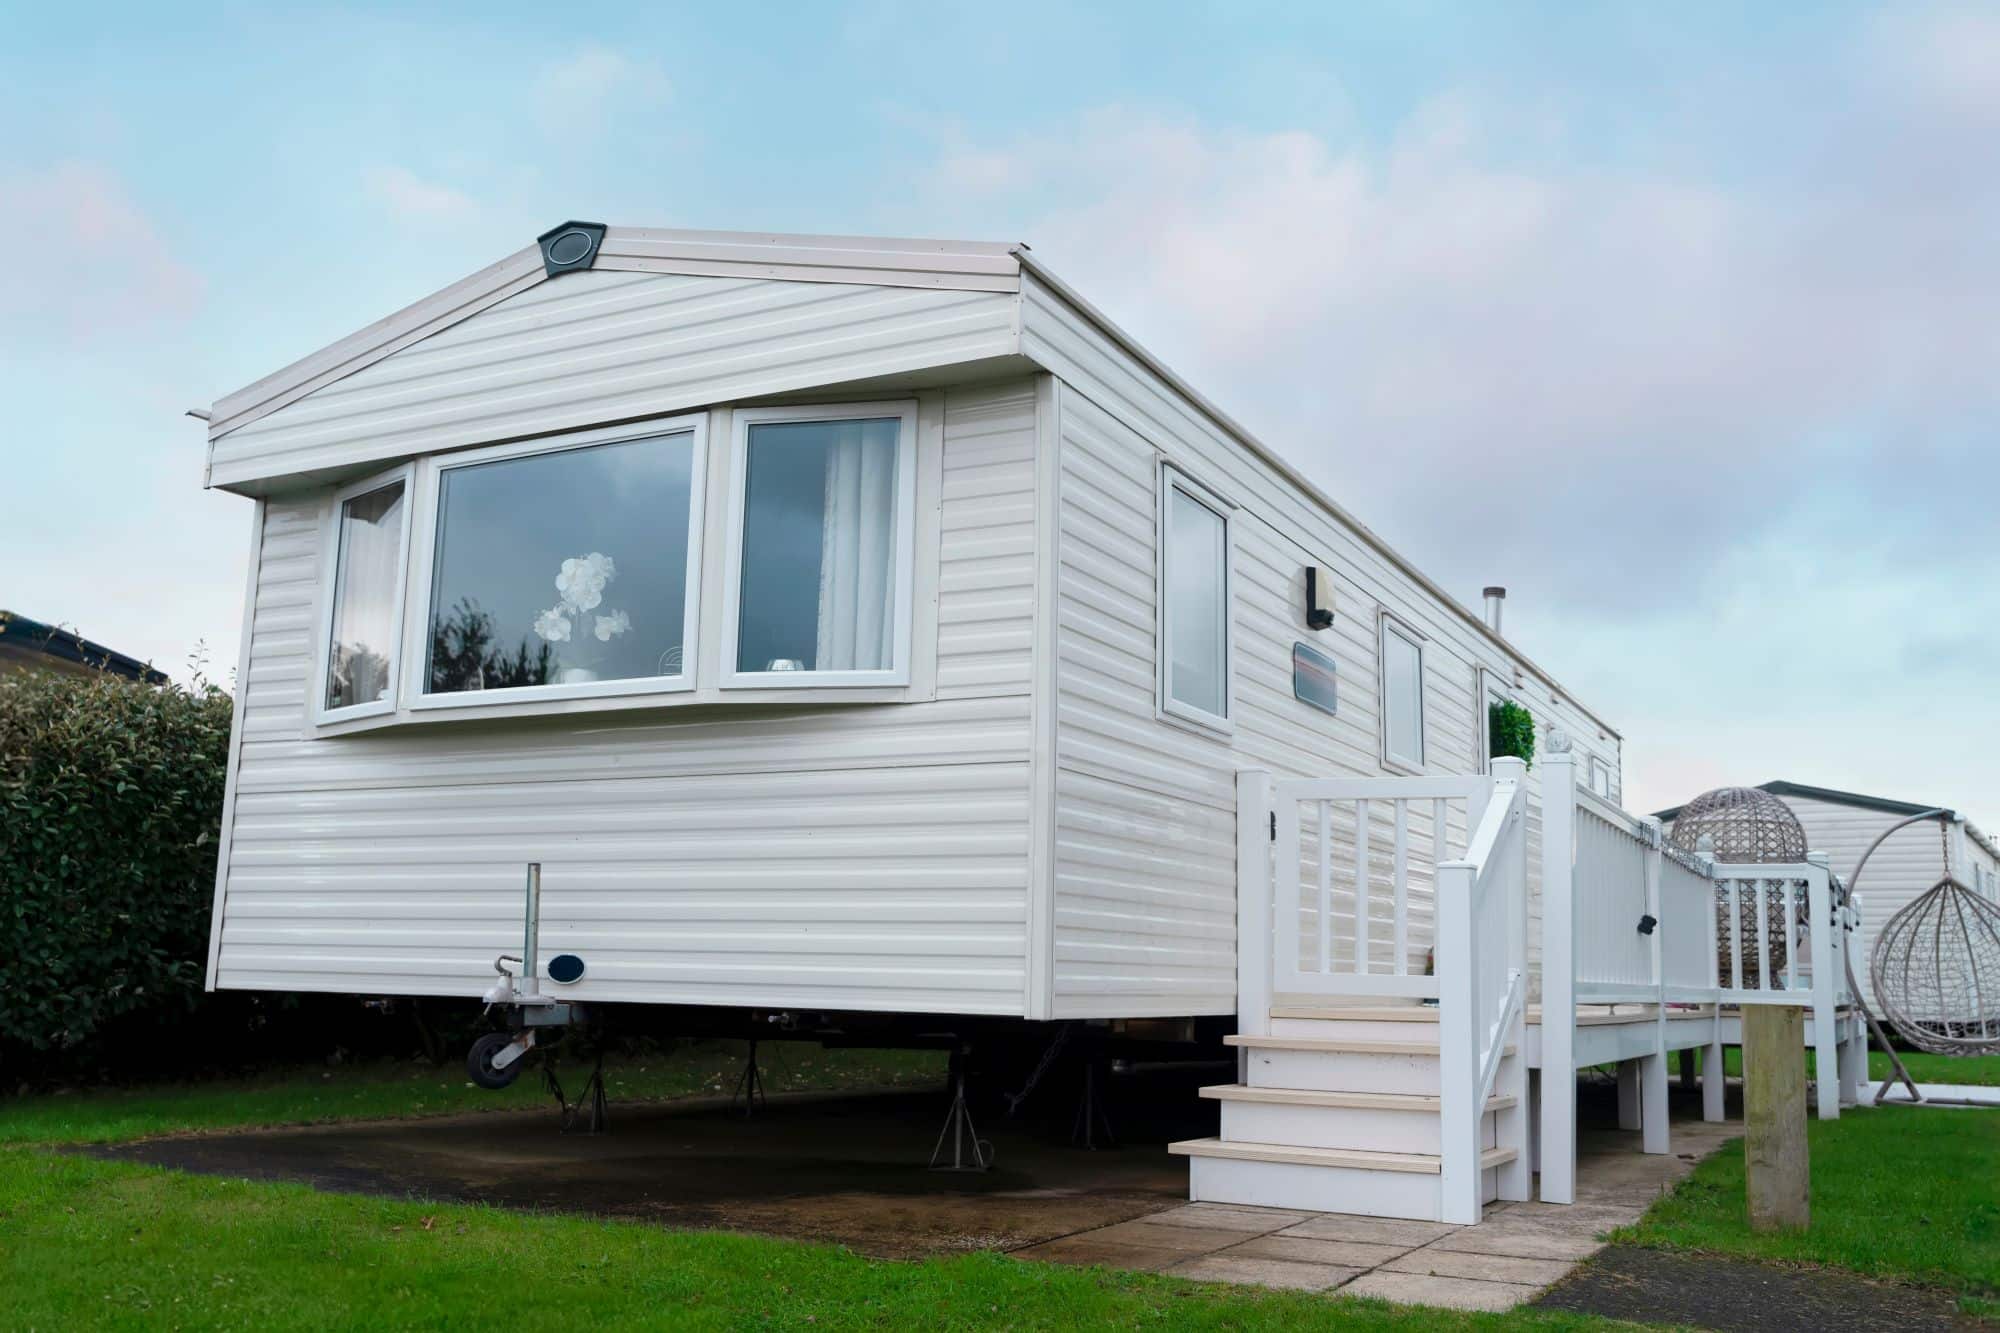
pixel 1678 320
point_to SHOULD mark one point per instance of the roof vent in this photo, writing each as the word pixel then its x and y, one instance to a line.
pixel 570 247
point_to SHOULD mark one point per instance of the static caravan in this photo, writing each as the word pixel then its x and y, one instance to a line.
pixel 852 626
pixel 1843 825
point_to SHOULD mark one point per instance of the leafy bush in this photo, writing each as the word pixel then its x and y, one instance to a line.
pixel 110 806
pixel 1510 732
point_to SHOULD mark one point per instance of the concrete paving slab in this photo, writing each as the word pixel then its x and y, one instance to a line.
pixel 1087 1250
pixel 1369 1230
pixel 1453 1293
pixel 1536 1273
pixel 1520 1242
pixel 1347 1253
pixel 1229 1217
pixel 1181 1240
pixel 1251 1271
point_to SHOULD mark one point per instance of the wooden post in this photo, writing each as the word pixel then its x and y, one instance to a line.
pixel 1774 1113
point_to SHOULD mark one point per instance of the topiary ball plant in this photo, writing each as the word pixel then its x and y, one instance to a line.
pixel 1510 732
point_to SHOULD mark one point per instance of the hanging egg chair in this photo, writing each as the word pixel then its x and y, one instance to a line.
pixel 1936 971
pixel 1740 825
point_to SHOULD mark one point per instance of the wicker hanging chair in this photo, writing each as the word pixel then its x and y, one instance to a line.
pixel 1744 825
pixel 1936 971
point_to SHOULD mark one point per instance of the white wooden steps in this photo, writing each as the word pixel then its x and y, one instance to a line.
pixel 1340 1112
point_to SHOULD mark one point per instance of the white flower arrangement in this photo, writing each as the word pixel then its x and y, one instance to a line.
pixel 581 583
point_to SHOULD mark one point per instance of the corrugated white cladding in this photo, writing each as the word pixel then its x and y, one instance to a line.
pixel 859 857
pixel 603 346
pixel 1144 872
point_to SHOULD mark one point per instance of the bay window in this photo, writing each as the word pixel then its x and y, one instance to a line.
pixel 370 530
pixel 820 546
pixel 564 569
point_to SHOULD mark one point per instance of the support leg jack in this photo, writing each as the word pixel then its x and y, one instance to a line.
pixel 749 1085
pixel 959 1129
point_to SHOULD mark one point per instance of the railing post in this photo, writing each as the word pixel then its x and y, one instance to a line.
pixel 1459 1181
pixel 1558 976
pixel 1853 1069
pixel 1511 1124
pixel 1253 902
pixel 1714 1065
pixel 1655 1136
pixel 1825 989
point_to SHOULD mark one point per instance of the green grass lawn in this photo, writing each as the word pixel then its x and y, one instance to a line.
pixel 1983 1070
pixel 1897 1192
pixel 376 1091
pixel 86 1243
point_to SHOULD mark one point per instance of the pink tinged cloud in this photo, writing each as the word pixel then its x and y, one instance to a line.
pixel 98 264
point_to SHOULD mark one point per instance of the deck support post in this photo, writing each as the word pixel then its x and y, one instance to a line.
pixel 1714 1074
pixel 1653 1125
pixel 1628 1094
pixel 1774 1114
pixel 1558 1080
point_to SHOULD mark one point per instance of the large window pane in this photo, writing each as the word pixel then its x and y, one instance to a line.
pixel 562 568
pixel 1197 610
pixel 368 569
pixel 1402 698
pixel 819 547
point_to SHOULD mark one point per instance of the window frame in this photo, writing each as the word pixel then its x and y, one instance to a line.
pixel 1387 623
pixel 904 411
pixel 1596 766
pixel 329 584
pixel 1166 706
pixel 421 566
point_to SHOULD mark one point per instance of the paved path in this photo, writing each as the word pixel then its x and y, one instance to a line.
pixel 1511 1257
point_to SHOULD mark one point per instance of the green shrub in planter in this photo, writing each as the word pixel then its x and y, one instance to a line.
pixel 1510 732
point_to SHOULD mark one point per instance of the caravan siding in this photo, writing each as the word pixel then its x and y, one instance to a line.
pixel 604 346
pixel 845 857
pixel 1144 884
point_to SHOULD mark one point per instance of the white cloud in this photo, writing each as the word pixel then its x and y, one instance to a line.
pixel 572 96
pixel 409 195
pixel 85 256
pixel 1726 431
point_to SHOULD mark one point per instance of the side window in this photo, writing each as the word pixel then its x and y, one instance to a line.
pixel 364 624
pixel 1402 694
pixel 821 546
pixel 1600 777
pixel 1194 602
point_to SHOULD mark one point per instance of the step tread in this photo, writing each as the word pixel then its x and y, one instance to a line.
pixel 1348 1045
pixel 1359 1013
pixel 1368 1101
pixel 1353 1158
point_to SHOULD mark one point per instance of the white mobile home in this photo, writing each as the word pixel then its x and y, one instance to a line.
pixel 865 625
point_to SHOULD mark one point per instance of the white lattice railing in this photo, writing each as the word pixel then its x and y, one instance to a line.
pixel 1347 886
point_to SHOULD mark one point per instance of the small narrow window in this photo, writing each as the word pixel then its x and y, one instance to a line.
pixel 1600 777
pixel 821 546
pixel 1402 698
pixel 366 602
pixel 1194 603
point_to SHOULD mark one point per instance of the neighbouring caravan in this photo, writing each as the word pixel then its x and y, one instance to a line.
pixel 1843 824
pixel 844 625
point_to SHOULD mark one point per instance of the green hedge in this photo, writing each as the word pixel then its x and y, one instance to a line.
pixel 1510 732
pixel 110 805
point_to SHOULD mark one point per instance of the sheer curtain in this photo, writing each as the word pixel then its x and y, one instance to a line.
pixel 857 549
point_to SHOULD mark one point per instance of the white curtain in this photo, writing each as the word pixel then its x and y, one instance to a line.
pixel 857 549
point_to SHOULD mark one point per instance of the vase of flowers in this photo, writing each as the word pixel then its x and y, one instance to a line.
pixel 575 618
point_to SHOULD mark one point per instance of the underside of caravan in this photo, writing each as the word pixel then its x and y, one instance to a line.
pixel 869 640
